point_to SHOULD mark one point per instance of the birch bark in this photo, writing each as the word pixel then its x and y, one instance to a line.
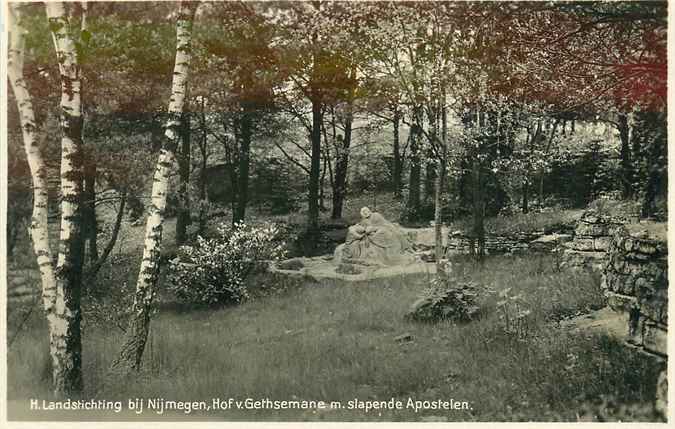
pixel 60 286
pixel 65 336
pixel 139 323
pixel 38 227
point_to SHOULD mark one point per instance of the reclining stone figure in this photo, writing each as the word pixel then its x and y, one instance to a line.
pixel 374 241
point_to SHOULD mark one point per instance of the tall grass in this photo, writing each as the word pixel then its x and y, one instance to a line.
pixel 335 341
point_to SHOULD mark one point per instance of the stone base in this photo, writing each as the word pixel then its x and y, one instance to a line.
pixel 323 267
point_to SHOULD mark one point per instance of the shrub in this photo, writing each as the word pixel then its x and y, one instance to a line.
pixel 213 271
pixel 446 299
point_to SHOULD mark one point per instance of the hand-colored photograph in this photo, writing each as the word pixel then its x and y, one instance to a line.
pixel 335 211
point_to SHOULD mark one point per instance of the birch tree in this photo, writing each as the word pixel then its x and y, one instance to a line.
pixel 65 336
pixel 139 323
pixel 61 284
pixel 38 228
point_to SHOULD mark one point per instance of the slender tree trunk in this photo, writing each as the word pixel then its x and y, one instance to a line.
pixel 244 164
pixel 322 182
pixel 439 185
pixel 542 172
pixel 526 209
pixel 541 188
pixel 430 166
pixel 315 169
pixel 139 323
pixel 39 225
pixel 397 167
pixel 430 179
pixel 203 197
pixel 478 211
pixel 183 218
pixel 626 162
pixel 341 169
pixel 96 266
pixel 438 224
pixel 413 203
pixel 66 341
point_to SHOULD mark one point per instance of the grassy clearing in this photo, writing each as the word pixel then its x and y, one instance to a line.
pixel 334 341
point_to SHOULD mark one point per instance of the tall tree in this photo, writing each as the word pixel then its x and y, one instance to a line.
pixel 137 333
pixel 38 229
pixel 66 337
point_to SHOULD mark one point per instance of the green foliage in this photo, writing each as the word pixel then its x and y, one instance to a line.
pixel 514 314
pixel 213 271
pixel 275 185
pixel 650 154
pixel 369 174
pixel 446 299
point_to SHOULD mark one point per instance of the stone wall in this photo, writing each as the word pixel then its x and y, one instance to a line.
pixel 635 279
pixel 591 242
pixel 459 243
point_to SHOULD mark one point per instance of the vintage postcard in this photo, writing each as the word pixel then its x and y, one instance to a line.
pixel 335 211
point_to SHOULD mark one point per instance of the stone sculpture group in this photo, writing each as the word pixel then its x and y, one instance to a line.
pixel 373 242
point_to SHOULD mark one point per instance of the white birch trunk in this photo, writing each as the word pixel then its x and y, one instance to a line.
pixel 38 228
pixel 65 338
pixel 137 332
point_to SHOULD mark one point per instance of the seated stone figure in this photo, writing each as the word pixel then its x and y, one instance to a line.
pixel 374 241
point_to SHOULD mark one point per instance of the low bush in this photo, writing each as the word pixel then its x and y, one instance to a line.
pixel 446 299
pixel 214 270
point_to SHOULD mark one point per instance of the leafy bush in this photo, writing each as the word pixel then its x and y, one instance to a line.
pixel 213 271
pixel 446 299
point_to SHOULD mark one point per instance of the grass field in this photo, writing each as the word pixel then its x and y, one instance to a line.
pixel 335 341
